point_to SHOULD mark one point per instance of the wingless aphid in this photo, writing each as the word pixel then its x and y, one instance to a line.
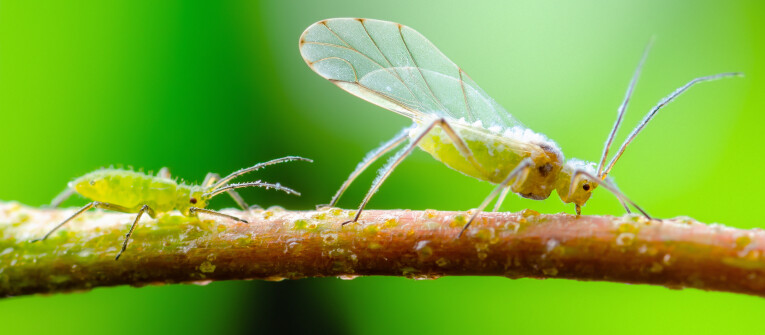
pixel 395 67
pixel 136 192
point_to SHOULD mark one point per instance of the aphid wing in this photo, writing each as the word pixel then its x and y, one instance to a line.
pixel 395 67
pixel 341 51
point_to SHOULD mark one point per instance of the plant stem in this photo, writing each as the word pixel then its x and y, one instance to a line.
pixel 279 244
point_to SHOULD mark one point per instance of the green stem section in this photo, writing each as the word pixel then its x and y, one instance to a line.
pixel 279 244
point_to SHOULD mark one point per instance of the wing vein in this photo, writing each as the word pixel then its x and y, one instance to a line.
pixel 464 95
pixel 395 101
pixel 394 72
pixel 355 74
pixel 419 70
pixel 350 47
pixel 395 67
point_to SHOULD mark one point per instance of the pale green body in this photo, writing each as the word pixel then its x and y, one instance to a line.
pixel 397 68
pixel 132 190
pixel 499 155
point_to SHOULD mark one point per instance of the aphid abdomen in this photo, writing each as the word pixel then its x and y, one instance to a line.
pixel 494 157
pixel 127 188
pixel 498 156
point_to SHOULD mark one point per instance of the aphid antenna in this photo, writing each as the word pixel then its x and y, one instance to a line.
pixel 663 102
pixel 226 179
pixel 623 107
pixel 607 185
pixel 277 186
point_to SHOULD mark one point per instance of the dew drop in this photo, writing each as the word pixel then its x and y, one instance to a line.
pixel 201 282
pixel 625 239
pixel 274 278
pixel 552 244
pixel 442 262
pixel 666 259
pixel 207 267
pixel 423 250
pixel 552 272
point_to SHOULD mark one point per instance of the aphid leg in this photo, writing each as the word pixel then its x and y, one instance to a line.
pixel 212 177
pixel 608 185
pixel 195 210
pixel 386 170
pixel 624 204
pixel 462 147
pixel 61 197
pixel 522 167
pixel 144 208
pixel 83 209
pixel 501 198
pixel 97 204
pixel 370 158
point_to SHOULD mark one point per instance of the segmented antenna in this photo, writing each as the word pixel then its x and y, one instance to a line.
pixel 279 187
pixel 256 167
pixel 623 107
pixel 656 108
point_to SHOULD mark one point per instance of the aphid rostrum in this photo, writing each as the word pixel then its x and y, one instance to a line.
pixel 136 192
pixel 454 120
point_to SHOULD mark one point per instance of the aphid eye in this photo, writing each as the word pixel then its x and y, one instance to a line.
pixel 586 187
pixel 193 200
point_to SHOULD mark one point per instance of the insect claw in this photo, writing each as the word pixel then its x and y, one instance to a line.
pixel 578 210
pixel 346 222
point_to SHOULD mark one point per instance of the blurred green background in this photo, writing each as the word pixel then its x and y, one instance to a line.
pixel 220 86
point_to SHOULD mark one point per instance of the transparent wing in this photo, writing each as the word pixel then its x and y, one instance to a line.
pixel 395 67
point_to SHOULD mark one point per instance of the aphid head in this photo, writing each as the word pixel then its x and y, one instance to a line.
pixel 198 199
pixel 194 198
pixel 581 189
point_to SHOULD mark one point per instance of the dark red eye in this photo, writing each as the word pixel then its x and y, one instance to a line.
pixel 586 187
pixel 193 200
